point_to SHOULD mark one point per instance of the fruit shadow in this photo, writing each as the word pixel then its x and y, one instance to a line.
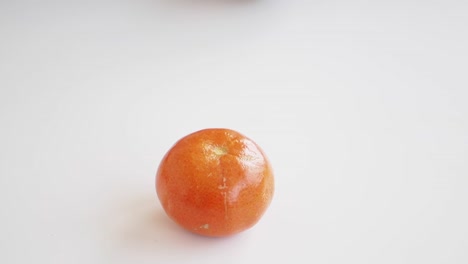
pixel 142 226
pixel 204 3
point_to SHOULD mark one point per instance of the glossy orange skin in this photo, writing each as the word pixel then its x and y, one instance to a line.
pixel 215 182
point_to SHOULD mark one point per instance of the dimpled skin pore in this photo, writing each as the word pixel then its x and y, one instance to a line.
pixel 215 182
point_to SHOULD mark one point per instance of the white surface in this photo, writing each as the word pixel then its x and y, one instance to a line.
pixel 360 105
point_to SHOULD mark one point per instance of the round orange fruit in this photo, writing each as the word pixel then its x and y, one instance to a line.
pixel 215 182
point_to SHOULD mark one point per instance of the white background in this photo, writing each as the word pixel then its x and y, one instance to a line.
pixel 361 107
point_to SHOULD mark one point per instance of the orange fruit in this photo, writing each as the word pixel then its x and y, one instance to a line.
pixel 215 182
